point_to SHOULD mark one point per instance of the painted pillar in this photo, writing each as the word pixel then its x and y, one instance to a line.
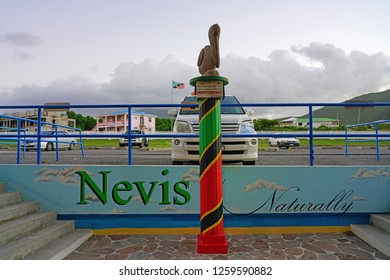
pixel 209 91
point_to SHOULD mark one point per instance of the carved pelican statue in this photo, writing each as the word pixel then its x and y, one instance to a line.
pixel 209 56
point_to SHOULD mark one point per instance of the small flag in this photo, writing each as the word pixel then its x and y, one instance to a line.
pixel 177 85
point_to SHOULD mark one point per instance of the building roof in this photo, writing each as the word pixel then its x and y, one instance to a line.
pixel 317 120
pixel 289 119
pixel 133 113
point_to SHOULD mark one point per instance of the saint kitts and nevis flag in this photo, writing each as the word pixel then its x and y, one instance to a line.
pixel 177 85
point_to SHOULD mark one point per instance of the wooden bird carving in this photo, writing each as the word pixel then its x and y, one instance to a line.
pixel 209 56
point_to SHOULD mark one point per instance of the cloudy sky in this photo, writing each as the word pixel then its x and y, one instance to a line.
pixel 125 51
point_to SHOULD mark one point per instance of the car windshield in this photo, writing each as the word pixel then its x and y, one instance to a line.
pixel 134 132
pixel 52 132
pixel 47 133
pixel 224 109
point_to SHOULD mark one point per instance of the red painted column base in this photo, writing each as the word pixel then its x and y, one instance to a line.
pixel 212 244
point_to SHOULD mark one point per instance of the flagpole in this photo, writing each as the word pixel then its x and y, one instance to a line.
pixel 171 102
pixel 172 92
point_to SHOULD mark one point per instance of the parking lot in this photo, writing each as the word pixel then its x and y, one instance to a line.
pixel 145 156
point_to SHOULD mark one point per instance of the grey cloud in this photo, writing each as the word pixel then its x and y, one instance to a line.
pixel 23 55
pixel 282 77
pixel 21 39
pixel 149 80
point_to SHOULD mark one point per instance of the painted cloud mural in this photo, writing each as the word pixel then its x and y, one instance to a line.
pixel 263 184
pixel 364 173
pixel 65 176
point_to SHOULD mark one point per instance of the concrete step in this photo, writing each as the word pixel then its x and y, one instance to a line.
pixel 22 226
pixel 2 187
pixel 374 236
pixel 62 246
pixel 381 221
pixel 31 243
pixel 377 234
pixel 9 198
pixel 28 233
pixel 18 210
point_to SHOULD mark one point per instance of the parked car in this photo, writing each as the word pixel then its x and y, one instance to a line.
pixel 284 142
pixel 138 141
pixel 50 143
pixel 234 120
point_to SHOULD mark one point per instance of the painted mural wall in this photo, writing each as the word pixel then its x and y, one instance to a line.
pixel 110 192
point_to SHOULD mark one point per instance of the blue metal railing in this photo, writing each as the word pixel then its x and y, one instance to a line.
pixel 377 139
pixel 22 139
pixel 311 135
pixel 14 141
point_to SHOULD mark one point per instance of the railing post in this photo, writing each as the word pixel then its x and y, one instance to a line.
pixel 377 141
pixel 39 135
pixel 311 135
pixel 56 129
pixel 346 141
pixel 18 145
pixel 129 139
pixel 81 143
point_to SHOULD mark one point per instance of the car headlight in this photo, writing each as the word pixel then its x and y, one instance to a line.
pixel 182 127
pixel 247 127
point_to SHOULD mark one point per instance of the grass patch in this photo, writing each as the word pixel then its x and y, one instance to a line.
pixel 153 143
pixel 160 143
pixel 100 142
pixel 263 143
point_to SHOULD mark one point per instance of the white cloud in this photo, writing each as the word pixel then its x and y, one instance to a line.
pixel 167 209
pixel 358 198
pixel 285 76
pixel 263 184
pixel 65 176
pixel 364 173
pixel 192 175
pixel 92 197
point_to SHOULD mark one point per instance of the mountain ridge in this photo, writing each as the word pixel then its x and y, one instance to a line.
pixel 354 115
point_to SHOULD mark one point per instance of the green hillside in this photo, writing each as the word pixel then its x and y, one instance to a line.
pixel 358 114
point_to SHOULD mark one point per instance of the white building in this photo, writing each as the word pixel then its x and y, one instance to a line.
pixel 49 116
pixel 304 122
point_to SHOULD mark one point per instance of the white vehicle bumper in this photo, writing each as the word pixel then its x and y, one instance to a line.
pixel 233 149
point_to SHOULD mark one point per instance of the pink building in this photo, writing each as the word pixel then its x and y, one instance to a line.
pixel 117 122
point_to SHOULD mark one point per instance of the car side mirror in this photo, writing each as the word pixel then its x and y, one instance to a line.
pixel 249 112
pixel 172 113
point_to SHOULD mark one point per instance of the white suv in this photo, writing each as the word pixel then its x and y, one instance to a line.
pixel 234 120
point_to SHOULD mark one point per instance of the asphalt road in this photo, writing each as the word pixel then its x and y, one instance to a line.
pixel 267 157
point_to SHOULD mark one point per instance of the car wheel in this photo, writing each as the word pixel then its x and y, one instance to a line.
pixel 252 162
pixel 49 147
pixel 71 146
pixel 121 145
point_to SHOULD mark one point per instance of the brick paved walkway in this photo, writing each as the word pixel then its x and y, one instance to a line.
pixel 320 246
